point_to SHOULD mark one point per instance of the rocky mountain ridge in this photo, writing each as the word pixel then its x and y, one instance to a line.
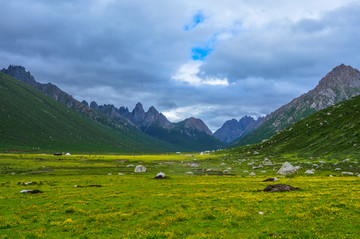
pixel 233 129
pixel 342 83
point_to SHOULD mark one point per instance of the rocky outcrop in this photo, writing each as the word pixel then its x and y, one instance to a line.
pixel 233 129
pixel 195 124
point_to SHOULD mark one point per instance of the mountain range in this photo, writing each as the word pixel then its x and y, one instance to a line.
pixel 30 121
pixel 342 83
pixel 233 129
pixel 189 135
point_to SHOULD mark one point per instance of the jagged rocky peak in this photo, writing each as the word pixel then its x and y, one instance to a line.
pixel 123 110
pixel 196 124
pixel 233 129
pixel 341 75
pixel 85 102
pixel 94 105
pixel 19 73
pixel 138 113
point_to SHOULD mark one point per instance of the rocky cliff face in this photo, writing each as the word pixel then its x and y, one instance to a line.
pixel 342 83
pixel 233 129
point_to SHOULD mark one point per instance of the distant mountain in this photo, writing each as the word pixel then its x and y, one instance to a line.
pixel 189 135
pixel 233 129
pixel 30 121
pixel 342 83
pixel 333 132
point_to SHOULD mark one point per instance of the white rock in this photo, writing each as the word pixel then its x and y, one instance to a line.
pixel 190 173
pixel 194 165
pixel 245 171
pixel 286 168
pixel 121 174
pixel 160 175
pixel 252 174
pixel 140 169
pixel 298 167
pixel 309 172
pixel 223 164
pixel 228 168
pixel 346 160
pixel 261 213
pixel 13 173
pixel 160 164
pixel 25 191
pixel 225 171
pixel 347 173
pixel 130 165
pixel 337 169
pixel 315 165
pixel 75 186
pixel 208 170
pixel 109 173
pixel 263 171
pixel 331 176
pixel 321 162
pixel 358 175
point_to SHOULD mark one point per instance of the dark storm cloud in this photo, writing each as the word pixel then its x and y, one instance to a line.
pixel 122 52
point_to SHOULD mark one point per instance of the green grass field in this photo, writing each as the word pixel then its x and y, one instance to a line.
pixel 207 204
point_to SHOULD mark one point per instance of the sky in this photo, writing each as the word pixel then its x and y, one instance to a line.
pixel 213 60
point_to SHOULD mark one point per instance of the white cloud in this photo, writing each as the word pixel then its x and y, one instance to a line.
pixel 181 113
pixel 190 73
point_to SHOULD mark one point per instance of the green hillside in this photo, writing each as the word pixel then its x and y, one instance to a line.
pixel 33 122
pixel 330 133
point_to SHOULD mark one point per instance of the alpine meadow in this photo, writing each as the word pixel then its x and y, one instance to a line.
pixel 179 119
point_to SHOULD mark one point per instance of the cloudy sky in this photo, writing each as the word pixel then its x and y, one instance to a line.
pixel 215 60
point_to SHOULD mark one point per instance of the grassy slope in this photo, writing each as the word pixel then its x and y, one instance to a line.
pixel 31 121
pixel 332 132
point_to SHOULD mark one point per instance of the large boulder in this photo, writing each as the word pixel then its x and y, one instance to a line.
pixel 140 169
pixel 287 169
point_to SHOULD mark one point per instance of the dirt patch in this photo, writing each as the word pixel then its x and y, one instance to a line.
pixel 280 188
pixel 45 169
pixel 121 160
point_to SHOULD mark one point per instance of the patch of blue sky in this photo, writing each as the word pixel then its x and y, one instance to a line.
pixel 198 53
pixel 197 19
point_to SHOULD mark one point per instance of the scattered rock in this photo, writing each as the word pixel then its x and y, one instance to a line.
pixel 261 213
pixel 309 172
pixel 190 173
pixel 331 176
pixel 30 191
pixel 321 162
pixel 252 174
pixel 160 175
pixel 140 169
pixel 194 165
pixel 130 165
pixel 287 168
pixel 121 174
pixel 223 164
pixel 245 171
pixel 280 188
pixel 271 180
pixel 109 173
pixel 347 173
pixel 337 169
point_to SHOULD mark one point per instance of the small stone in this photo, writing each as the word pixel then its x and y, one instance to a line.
pixel 194 165
pixel 109 173
pixel 140 169
pixel 309 172
pixel 252 174
pixel 347 173
pixel 189 173
pixel 160 175
pixel 261 213
pixel 130 165
pixel 121 174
